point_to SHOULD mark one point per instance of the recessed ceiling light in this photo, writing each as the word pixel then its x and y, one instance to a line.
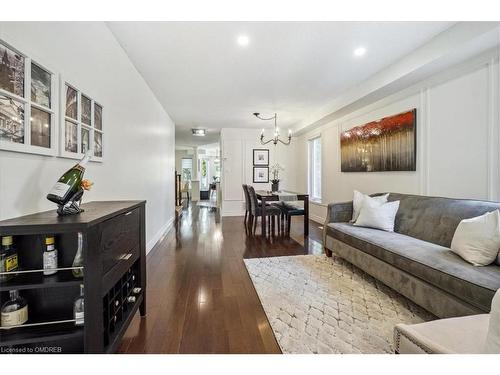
pixel 199 132
pixel 243 40
pixel 360 51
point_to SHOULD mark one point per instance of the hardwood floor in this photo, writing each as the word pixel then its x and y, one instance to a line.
pixel 200 297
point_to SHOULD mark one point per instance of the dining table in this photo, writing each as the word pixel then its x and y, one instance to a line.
pixel 274 196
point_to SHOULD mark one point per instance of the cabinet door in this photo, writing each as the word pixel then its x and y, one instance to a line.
pixel 120 240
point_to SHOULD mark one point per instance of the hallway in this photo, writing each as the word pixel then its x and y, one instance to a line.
pixel 200 297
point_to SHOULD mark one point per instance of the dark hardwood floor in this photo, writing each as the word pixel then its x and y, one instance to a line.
pixel 200 297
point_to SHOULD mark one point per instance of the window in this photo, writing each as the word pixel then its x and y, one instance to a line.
pixel 315 168
pixel 204 175
pixel 27 110
pixel 187 169
pixel 217 169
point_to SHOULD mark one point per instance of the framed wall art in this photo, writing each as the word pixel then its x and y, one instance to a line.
pixel 388 144
pixel 81 125
pixel 28 97
pixel 260 174
pixel 260 156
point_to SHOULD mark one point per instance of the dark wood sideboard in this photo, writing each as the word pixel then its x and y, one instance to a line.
pixel 114 268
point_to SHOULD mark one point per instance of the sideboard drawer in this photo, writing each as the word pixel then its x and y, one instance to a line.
pixel 120 239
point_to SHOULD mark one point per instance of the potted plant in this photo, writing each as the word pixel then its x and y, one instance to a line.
pixel 275 182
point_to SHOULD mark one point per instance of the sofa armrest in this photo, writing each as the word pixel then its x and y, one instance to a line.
pixel 339 212
pixel 336 213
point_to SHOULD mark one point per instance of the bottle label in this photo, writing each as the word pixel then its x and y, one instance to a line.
pixel 15 318
pixel 49 262
pixel 79 318
pixel 11 263
pixel 81 168
pixel 60 189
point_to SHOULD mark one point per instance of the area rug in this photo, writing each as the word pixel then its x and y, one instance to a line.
pixel 317 304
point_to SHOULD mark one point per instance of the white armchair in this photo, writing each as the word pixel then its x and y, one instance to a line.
pixel 474 334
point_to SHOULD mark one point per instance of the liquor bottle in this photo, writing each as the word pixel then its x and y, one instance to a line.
pixel 78 261
pixel 15 311
pixel 136 290
pixel 8 259
pixel 78 309
pixel 69 183
pixel 49 257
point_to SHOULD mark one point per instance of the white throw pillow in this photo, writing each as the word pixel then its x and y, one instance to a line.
pixel 493 336
pixel 357 202
pixel 477 240
pixel 376 215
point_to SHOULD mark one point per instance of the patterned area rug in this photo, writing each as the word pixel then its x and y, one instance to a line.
pixel 317 304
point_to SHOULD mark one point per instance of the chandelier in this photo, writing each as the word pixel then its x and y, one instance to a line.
pixel 276 138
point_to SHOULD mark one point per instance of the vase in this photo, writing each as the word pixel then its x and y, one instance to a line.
pixel 275 186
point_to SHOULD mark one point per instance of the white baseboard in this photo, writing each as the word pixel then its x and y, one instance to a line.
pixel 316 218
pixel 159 235
pixel 233 208
pixel 233 213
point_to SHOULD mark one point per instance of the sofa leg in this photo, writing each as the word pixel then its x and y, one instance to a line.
pixel 328 252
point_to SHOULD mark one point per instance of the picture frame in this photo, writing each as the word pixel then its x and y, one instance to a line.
pixel 260 157
pixel 28 103
pixel 81 123
pixel 261 174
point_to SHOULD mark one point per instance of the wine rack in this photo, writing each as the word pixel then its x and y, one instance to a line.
pixel 114 278
pixel 120 304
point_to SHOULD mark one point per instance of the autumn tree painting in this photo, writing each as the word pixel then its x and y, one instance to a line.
pixel 388 144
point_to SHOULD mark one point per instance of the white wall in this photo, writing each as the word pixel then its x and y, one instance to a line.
pixel 237 166
pixel 457 140
pixel 139 134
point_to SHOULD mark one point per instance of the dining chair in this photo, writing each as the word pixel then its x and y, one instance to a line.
pixel 273 212
pixel 186 188
pixel 289 209
pixel 247 203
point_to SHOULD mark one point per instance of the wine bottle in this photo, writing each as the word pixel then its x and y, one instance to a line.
pixel 69 183
pixel 131 299
pixel 79 309
pixel 78 261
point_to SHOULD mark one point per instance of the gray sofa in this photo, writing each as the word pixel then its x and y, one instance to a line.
pixel 416 260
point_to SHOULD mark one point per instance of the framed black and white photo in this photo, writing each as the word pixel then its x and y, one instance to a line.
pixel 71 106
pixel 86 111
pixel 12 70
pixel 260 156
pixel 40 86
pixel 83 123
pixel 260 174
pixel 27 113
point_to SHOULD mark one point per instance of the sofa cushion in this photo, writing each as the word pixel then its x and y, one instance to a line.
pixel 432 263
pixel 434 219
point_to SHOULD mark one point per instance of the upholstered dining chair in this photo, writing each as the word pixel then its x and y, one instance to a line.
pixel 273 212
pixel 289 209
pixel 247 203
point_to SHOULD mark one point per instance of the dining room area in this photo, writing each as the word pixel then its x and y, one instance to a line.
pixel 274 210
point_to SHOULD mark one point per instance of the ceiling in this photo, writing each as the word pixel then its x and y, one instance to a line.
pixel 203 78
